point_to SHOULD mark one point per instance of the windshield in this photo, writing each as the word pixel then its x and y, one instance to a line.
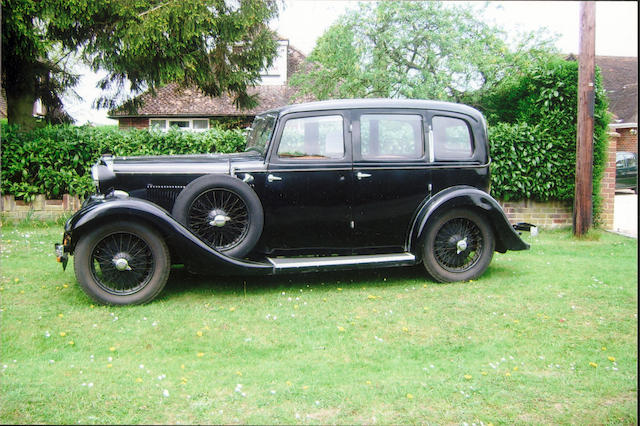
pixel 260 132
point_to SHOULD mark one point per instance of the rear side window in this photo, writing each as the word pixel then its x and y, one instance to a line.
pixel 391 136
pixel 312 138
pixel 451 138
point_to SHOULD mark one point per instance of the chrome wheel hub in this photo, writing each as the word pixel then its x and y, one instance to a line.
pixel 461 245
pixel 219 220
pixel 121 263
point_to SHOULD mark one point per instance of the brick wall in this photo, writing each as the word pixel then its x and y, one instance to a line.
pixel 135 122
pixel 628 141
pixel 608 183
pixel 548 215
pixel 40 208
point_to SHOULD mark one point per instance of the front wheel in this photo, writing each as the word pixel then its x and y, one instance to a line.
pixel 458 246
pixel 122 263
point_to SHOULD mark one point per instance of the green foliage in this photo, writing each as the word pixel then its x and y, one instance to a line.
pixel 425 50
pixel 217 46
pixel 55 160
pixel 533 133
pixel 528 162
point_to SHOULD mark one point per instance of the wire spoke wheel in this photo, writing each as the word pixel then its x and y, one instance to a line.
pixel 220 218
pixel 458 245
pixel 122 263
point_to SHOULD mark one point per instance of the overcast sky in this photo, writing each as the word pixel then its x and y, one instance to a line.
pixel 302 22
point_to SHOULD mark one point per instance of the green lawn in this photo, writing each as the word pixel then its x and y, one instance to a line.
pixel 545 336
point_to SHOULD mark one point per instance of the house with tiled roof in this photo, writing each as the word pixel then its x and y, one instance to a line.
pixel 620 80
pixel 190 109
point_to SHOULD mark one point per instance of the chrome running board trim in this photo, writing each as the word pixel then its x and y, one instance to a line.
pixel 330 261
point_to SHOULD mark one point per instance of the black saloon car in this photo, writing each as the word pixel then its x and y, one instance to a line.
pixel 323 185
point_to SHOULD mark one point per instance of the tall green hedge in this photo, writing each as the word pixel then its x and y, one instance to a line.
pixel 55 160
pixel 532 132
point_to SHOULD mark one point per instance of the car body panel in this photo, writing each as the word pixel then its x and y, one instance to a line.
pixel 466 197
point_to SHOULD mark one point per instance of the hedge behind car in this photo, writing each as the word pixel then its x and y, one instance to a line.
pixel 56 159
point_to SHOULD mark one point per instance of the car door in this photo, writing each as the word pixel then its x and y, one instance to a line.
pixel 390 176
pixel 307 195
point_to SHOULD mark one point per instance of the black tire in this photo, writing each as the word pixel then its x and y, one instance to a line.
pixel 230 202
pixel 138 280
pixel 446 258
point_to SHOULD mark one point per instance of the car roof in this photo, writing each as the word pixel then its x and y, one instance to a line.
pixel 378 103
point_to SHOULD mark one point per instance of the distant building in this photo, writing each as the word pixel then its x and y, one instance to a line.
pixel 190 109
pixel 620 80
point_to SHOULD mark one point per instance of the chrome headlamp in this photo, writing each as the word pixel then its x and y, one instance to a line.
pixel 95 177
pixel 102 173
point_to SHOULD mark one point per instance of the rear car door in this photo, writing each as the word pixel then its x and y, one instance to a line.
pixel 390 175
pixel 307 196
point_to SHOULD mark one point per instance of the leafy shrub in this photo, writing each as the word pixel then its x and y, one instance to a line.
pixel 57 159
pixel 528 162
pixel 533 125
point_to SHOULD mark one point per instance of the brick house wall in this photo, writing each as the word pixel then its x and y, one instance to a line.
pixel 133 123
pixel 628 140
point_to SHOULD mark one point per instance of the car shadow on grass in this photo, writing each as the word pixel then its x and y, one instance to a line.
pixel 182 281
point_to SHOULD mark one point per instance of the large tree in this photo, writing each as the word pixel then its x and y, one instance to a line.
pixel 217 45
pixel 429 50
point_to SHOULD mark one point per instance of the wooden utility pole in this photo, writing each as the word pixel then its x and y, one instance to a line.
pixel 583 204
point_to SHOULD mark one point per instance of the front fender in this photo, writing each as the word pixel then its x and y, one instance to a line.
pixel 176 235
pixel 466 197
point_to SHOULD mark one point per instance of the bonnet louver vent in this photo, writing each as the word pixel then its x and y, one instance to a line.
pixel 163 195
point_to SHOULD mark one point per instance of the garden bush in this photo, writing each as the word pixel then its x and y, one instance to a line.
pixel 57 159
pixel 532 132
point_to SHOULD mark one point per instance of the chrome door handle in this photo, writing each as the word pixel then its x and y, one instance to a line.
pixel 361 175
pixel 271 178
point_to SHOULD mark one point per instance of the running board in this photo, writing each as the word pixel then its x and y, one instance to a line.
pixel 299 264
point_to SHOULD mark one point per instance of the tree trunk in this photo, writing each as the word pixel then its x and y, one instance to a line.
pixel 20 109
pixel 20 88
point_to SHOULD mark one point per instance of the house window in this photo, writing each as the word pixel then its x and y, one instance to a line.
pixel 158 124
pixel 193 124
pixel 183 124
pixel 200 124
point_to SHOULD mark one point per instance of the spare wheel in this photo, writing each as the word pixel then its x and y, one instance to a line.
pixel 224 212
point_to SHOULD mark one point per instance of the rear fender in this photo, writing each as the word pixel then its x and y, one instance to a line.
pixel 465 197
pixel 177 236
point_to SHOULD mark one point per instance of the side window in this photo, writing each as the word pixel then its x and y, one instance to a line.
pixel 619 161
pixel 632 161
pixel 391 136
pixel 451 139
pixel 312 138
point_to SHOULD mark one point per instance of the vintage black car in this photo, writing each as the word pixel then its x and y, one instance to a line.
pixel 323 185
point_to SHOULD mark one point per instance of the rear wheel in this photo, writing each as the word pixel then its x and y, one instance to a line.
pixel 458 246
pixel 122 263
